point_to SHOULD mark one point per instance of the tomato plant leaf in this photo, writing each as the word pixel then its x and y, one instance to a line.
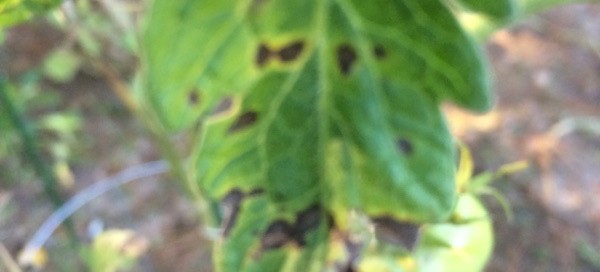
pixel 499 9
pixel 311 109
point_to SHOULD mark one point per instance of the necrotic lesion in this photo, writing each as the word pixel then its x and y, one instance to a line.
pixel 291 52
pixel 287 53
pixel 346 56
pixel 263 55
pixel 245 120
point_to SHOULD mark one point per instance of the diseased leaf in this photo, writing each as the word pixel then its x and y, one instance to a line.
pixel 332 105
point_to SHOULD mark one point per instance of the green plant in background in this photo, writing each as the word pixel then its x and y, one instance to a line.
pixel 90 33
pixel 54 133
pixel 114 250
pixel 59 130
pixel 15 11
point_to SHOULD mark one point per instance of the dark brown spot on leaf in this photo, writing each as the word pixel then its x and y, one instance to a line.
pixel 233 197
pixel 394 232
pixel 330 220
pixel 306 221
pixel 346 56
pixel 404 146
pixel 231 207
pixel 194 97
pixel 379 52
pixel 354 249
pixel 277 235
pixel 256 4
pixel 346 268
pixel 291 52
pixel 277 196
pixel 224 105
pixel 263 55
pixel 245 120
pixel 256 192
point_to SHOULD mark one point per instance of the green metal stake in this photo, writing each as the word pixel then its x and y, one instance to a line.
pixel 32 151
pixel 33 154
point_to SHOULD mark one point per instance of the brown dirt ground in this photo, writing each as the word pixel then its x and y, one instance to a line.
pixel 547 78
pixel 548 112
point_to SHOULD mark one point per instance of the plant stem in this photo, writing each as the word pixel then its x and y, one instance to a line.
pixel 32 151
pixel 125 94
pixel 33 154
pixel 159 135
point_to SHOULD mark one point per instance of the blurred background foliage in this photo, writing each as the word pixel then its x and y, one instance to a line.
pixel 15 11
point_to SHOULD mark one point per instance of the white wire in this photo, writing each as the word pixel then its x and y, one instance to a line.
pixel 83 197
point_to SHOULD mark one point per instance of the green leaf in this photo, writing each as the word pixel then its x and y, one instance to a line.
pixel 329 104
pixel 499 9
pixel 61 65
pixel 15 11
pixel 274 251
pixel 463 245
pixel 114 250
pixel 13 14
pixel 41 5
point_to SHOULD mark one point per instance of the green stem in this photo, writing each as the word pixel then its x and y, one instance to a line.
pixel 33 154
pixel 209 211
pixel 32 151
pixel 159 134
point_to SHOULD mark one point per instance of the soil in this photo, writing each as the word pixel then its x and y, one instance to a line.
pixel 547 80
pixel 547 83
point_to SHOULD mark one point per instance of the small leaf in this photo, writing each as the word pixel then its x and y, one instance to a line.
pixel 512 168
pixel 61 65
pixel 65 123
pixel 465 169
pixel 115 250
pixel 506 207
